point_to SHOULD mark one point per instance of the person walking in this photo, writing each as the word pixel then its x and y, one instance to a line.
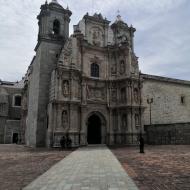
pixel 62 142
pixel 141 144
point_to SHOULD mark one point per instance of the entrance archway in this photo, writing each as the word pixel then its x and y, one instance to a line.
pixel 94 132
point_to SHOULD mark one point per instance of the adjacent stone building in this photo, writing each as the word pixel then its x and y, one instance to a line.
pixel 10 112
pixel 168 120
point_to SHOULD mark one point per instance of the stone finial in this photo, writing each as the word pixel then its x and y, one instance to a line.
pixel 118 18
pixel 54 1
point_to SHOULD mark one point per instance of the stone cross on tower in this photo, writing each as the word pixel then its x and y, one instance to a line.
pixel 118 16
pixel 54 1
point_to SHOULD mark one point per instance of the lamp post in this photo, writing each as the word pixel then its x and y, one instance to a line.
pixel 150 101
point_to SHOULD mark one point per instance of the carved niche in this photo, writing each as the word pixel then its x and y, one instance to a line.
pixel 113 92
pixel 123 94
pixel 134 64
pixel 122 67
pixel 65 88
pixel 136 95
pixel 137 120
pixel 67 53
pixel 114 95
pixel 113 69
pixel 64 118
pixel 124 121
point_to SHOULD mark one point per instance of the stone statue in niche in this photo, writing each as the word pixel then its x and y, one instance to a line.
pixel 124 121
pixel 136 98
pixel 114 95
pixel 65 88
pixel 113 69
pixel 87 92
pixel 64 118
pixel 67 53
pixel 122 67
pixel 96 37
pixel 137 121
pixel 124 38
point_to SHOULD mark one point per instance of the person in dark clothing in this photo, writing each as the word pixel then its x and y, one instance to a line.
pixel 68 141
pixel 62 142
pixel 141 143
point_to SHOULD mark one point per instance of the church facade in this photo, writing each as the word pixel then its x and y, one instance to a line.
pixel 88 85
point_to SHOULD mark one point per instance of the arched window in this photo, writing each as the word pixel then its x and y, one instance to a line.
pixel 94 70
pixel 56 27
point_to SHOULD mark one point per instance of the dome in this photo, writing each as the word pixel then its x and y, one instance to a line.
pixel 55 4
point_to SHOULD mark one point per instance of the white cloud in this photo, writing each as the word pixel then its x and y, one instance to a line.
pixel 162 37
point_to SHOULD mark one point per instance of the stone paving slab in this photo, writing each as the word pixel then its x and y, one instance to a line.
pixel 88 168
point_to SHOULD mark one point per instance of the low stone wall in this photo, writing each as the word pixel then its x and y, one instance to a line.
pixel 164 134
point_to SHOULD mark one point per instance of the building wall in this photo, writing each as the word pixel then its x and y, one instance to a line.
pixel 166 107
pixel 170 116
pixel 10 114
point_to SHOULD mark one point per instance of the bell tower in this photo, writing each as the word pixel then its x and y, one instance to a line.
pixel 53 22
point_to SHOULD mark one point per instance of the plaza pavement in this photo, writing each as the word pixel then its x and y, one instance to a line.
pixel 87 168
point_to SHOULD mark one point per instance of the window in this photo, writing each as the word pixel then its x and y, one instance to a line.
pixel 94 70
pixel 56 27
pixel 182 99
pixel 17 100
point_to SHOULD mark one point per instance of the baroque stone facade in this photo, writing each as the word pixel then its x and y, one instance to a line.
pixel 88 85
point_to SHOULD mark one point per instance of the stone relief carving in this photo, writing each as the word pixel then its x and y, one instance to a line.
pixel 95 93
pixel 67 53
pixel 122 67
pixel 136 98
pixel 113 69
pixel 97 36
pixel 65 88
pixel 124 121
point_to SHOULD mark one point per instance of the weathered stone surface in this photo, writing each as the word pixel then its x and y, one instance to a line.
pixel 92 168
pixel 10 114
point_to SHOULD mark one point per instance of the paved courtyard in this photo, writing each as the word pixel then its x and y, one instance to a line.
pixel 88 168
pixel 20 165
pixel 160 168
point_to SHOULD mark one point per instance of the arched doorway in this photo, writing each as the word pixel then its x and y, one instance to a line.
pixel 94 130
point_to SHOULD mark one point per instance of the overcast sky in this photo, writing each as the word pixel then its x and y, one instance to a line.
pixel 162 40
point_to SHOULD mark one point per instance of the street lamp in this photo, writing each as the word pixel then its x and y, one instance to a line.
pixel 150 101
